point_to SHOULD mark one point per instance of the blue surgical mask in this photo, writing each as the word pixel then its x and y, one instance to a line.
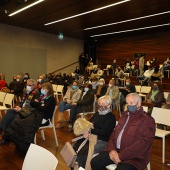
pixel 43 92
pixel 132 108
pixel 74 87
pixel 86 89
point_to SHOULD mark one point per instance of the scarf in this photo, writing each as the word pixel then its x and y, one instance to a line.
pixel 154 93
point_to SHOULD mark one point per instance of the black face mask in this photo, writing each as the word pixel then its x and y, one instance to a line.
pixel 155 88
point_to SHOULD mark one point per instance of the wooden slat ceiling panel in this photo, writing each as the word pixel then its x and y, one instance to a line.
pixel 51 10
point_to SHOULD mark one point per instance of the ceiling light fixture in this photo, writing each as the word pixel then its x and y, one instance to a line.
pixel 28 6
pixel 84 13
pixel 114 23
pixel 136 29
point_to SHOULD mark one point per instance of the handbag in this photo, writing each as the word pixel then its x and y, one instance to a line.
pixel 26 112
pixel 69 154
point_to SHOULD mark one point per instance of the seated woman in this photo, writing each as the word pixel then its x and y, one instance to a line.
pixel 119 73
pixel 72 95
pixel 83 105
pixel 156 76
pixel 89 67
pixel 44 105
pixel 155 97
pixel 104 122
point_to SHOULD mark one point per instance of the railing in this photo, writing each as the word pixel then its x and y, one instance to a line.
pixel 65 67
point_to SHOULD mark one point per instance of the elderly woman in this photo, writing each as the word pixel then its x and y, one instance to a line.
pixel 21 130
pixel 104 122
pixel 72 95
pixel 156 96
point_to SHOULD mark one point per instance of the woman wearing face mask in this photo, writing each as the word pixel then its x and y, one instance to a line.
pixel 46 102
pixel 156 96
pixel 103 122
pixel 72 95
pixel 101 88
pixel 83 105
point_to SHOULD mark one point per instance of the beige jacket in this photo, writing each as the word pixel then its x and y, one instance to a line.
pixel 76 96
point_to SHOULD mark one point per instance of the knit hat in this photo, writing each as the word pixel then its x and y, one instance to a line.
pixel 81 126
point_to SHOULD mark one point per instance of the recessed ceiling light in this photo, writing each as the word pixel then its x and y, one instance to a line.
pixel 136 29
pixel 28 6
pixel 84 13
pixel 114 23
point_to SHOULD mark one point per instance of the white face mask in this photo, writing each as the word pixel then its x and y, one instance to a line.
pixel 86 89
pixel 17 80
pixel 110 85
pixel 101 83
pixel 28 89
pixel 127 83
pixel 39 80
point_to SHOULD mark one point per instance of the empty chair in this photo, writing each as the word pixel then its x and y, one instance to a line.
pixel 51 125
pixel 2 96
pixel 161 116
pixel 166 95
pixel 54 87
pixel 107 69
pixel 8 101
pixel 39 158
pixel 144 91
pixel 59 92
pixel 145 108
pixel 138 88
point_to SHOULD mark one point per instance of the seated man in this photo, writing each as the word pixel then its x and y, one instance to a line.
pixel 130 143
pixel 11 114
pixel 72 95
pixel 113 92
pixel 147 74
pixel 83 105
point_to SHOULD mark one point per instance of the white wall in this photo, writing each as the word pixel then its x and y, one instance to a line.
pixel 45 52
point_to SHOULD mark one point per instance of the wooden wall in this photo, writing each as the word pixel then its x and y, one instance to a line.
pixel 123 47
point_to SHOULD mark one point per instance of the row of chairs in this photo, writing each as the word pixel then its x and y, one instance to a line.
pixel 6 100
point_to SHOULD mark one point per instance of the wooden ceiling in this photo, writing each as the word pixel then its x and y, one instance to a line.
pixel 50 10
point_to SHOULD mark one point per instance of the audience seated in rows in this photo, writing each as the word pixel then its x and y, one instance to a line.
pixel 129 146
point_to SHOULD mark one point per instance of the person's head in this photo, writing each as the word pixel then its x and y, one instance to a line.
pixel 114 61
pixel 104 104
pixel 128 81
pixel 27 75
pixel 101 82
pixel 14 77
pixel 117 81
pixel 111 83
pixel 74 85
pixel 31 84
pixel 133 101
pixel 88 87
pixel 94 79
pixel 19 78
pixel 47 89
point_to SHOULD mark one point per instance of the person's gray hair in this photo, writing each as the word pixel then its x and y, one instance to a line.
pixel 107 98
pixel 102 80
pixel 32 81
pixel 136 97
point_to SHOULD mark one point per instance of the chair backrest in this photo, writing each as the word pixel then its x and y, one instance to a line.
pixel 95 66
pixel 145 89
pixel 166 95
pixel 38 158
pixel 145 108
pixel 54 87
pixel 108 66
pixel 161 115
pixel 60 89
pixel 52 120
pixel 9 100
pixel 2 96
pixel 138 88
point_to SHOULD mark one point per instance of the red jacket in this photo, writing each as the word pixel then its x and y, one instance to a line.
pixel 137 138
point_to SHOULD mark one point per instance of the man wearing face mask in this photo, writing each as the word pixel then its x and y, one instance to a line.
pixel 156 96
pixel 72 95
pixel 103 122
pixel 131 141
pixel 11 114
pixel 82 105
pixel 113 92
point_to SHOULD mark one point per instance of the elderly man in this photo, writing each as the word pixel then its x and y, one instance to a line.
pixel 130 143
pixel 31 94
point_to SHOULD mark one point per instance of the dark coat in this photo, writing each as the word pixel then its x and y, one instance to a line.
pixel 87 101
pixel 102 92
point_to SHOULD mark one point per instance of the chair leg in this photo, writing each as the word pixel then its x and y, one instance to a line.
pixel 149 166
pixel 163 149
pixel 55 136
pixel 35 139
pixel 42 134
